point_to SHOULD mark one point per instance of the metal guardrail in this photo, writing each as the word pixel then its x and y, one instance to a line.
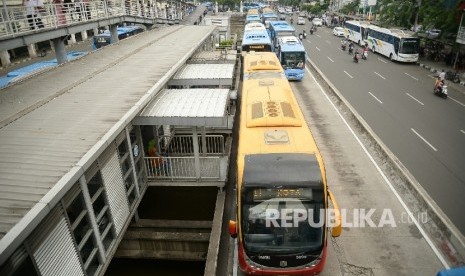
pixel 182 168
pixel 18 20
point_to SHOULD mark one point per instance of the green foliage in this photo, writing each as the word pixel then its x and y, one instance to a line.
pixel 431 14
pixel 351 7
pixel 226 43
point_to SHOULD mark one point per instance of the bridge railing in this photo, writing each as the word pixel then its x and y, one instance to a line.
pixel 182 168
pixel 19 20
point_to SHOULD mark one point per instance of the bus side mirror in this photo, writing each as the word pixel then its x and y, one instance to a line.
pixel 232 229
pixel 337 228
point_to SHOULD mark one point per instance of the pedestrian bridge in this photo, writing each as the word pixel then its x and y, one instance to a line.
pixel 19 26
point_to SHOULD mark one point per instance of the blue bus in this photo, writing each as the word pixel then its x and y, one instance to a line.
pixel 252 18
pixel 278 29
pixel 256 40
pixel 268 15
pixel 291 54
pixel 104 39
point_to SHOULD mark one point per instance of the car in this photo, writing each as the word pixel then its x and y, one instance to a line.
pixel 301 20
pixel 317 21
pixel 338 31
pixel 433 33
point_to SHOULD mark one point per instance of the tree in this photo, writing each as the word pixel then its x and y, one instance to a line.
pixel 351 8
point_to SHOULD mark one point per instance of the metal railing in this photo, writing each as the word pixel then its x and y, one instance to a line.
pixel 183 144
pixel 174 168
pixel 18 20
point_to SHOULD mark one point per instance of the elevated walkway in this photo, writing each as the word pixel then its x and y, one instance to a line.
pixel 81 174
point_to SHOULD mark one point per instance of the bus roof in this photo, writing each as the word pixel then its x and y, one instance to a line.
pixel 261 61
pixel 358 23
pixel 281 26
pixel 290 44
pixel 395 32
pixel 254 26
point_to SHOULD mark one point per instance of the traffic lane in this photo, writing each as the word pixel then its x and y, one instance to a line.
pixel 357 185
pixel 406 90
pixel 409 115
pixel 444 167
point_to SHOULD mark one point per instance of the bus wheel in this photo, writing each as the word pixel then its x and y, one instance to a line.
pixel 373 50
pixel 359 43
pixel 391 57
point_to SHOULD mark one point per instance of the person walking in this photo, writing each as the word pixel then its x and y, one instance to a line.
pixel 442 75
pixel 32 13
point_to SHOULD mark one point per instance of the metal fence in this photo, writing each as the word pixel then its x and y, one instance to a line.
pixel 19 20
pixel 182 167
pixel 181 145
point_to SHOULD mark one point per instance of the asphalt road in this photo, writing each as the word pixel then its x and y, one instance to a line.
pixel 425 132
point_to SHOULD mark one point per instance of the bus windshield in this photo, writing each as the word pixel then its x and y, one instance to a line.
pixel 409 46
pixel 293 60
pixel 270 226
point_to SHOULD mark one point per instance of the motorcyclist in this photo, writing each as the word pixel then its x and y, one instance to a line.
pixel 312 29
pixel 356 56
pixel 300 36
pixel 438 86
pixel 343 44
pixel 304 34
pixel 292 20
pixel 351 47
pixel 365 52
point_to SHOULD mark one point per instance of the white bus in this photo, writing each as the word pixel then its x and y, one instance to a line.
pixel 398 45
pixel 356 31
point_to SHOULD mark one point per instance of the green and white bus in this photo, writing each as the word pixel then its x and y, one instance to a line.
pixel 397 45
pixel 356 31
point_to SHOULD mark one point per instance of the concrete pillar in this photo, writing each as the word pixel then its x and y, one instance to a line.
pixel 95 31
pixel 60 53
pixel 5 58
pixel 114 34
pixel 32 50
pixel 72 39
pixel 241 9
pixel 84 35
pixel 195 143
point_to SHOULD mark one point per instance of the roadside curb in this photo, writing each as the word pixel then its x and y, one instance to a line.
pixel 445 236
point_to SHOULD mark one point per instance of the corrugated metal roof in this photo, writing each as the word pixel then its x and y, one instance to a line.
pixel 188 107
pixel 205 71
pixel 204 75
pixel 211 57
pixel 70 114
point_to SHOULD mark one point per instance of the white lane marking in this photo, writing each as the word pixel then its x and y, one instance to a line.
pixel 348 74
pixel 382 60
pixel 330 59
pixel 424 140
pixel 380 75
pixel 463 131
pixel 235 258
pixel 318 48
pixel 414 98
pixel 411 76
pixel 460 103
pixel 417 224
pixel 375 97
pixel 318 36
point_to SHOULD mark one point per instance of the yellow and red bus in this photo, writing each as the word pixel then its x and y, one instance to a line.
pixel 282 196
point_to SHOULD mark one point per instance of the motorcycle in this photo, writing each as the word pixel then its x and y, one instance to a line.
pixel 304 35
pixel 441 92
pixel 365 54
pixel 343 47
pixel 452 76
pixel 300 37
pixel 356 58
pixel 351 49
